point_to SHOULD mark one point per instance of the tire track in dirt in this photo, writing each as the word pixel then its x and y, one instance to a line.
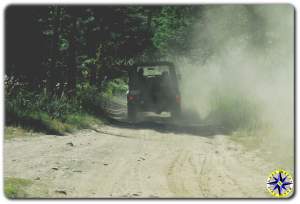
pixel 202 183
pixel 142 163
pixel 175 180
pixel 186 177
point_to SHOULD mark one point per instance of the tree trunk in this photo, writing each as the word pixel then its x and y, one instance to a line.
pixel 92 53
pixel 54 75
pixel 72 66
pixel 93 76
pixel 99 64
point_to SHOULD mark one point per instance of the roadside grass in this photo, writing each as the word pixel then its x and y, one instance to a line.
pixel 39 112
pixel 244 119
pixel 234 112
pixel 82 121
pixel 41 122
pixel 268 144
pixel 246 123
pixel 16 187
pixel 17 132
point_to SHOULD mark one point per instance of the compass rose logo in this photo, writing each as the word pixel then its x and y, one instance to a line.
pixel 280 183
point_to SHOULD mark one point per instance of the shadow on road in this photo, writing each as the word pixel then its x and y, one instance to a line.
pixel 167 125
pixel 189 123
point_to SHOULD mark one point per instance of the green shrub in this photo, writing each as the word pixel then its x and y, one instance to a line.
pixel 89 99
pixel 52 114
pixel 116 87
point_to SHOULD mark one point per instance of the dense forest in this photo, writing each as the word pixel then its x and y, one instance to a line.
pixel 60 58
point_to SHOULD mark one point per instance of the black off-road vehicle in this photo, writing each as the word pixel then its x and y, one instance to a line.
pixel 153 87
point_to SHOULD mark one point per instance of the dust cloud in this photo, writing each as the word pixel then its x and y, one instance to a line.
pixel 241 69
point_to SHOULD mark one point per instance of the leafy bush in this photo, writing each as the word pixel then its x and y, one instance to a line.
pixel 116 87
pixel 52 114
pixel 89 99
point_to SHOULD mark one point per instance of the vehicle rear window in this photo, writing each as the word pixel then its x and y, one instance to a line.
pixel 154 70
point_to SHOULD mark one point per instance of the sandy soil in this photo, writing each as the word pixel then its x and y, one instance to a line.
pixel 127 162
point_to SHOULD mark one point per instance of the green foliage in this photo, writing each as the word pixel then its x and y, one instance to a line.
pixel 15 187
pixel 63 44
pixel 116 87
pixel 54 115
pixel 25 102
pixel 70 39
pixel 78 120
pixel 89 99
pixel 72 50
pixel 172 28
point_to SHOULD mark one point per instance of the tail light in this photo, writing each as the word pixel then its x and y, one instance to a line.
pixel 177 99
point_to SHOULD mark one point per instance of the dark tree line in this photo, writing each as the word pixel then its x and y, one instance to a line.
pixel 57 48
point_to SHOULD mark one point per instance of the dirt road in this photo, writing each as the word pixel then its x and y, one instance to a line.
pixel 136 162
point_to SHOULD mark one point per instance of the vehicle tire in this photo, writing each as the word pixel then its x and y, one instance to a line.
pixel 131 112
